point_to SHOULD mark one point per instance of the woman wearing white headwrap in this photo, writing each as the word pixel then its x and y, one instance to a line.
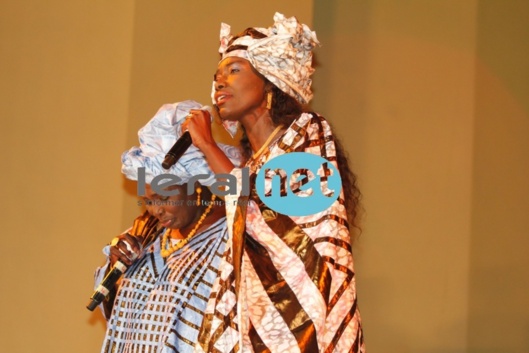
pixel 290 279
pixel 173 251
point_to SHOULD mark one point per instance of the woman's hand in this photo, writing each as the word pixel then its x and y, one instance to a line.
pixel 125 248
pixel 198 123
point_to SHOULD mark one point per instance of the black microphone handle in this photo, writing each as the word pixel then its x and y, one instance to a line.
pixel 178 149
pixel 106 285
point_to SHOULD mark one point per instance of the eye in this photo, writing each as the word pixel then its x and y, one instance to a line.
pixel 164 198
pixel 234 70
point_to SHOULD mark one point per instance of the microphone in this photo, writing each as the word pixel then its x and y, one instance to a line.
pixel 106 285
pixel 112 277
pixel 181 145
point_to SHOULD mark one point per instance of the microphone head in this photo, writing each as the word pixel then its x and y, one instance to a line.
pixel 92 305
pixel 95 300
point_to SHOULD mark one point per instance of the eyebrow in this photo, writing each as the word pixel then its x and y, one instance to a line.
pixel 235 60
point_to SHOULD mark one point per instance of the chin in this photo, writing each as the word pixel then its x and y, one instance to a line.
pixel 224 116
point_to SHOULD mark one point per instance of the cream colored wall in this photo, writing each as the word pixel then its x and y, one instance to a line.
pixel 64 93
pixel 499 257
pixel 434 117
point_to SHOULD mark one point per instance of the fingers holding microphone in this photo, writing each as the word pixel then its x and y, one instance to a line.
pixel 198 123
pixel 125 248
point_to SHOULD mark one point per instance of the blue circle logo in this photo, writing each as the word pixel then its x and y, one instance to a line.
pixel 300 184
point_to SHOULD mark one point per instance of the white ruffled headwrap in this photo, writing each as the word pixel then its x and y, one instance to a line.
pixel 156 139
pixel 284 56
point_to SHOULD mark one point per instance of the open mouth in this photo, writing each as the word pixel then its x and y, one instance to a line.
pixel 166 223
pixel 221 98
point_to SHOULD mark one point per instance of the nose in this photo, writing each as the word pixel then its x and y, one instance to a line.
pixel 219 83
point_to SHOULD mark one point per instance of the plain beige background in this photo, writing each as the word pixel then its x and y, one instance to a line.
pixel 430 98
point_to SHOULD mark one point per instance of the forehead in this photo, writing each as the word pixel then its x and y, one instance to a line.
pixel 239 63
pixel 231 60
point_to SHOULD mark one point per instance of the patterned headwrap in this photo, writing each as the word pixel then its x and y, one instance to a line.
pixel 284 56
pixel 156 139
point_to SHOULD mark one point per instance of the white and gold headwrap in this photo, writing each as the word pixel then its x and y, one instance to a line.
pixel 284 56
pixel 156 139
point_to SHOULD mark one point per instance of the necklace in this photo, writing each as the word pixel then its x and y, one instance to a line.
pixel 167 250
pixel 267 142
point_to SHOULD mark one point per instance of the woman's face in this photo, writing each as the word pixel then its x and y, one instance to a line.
pixel 176 212
pixel 239 89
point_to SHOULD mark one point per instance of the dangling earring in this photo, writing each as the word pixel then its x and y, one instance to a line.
pixel 269 100
pixel 199 191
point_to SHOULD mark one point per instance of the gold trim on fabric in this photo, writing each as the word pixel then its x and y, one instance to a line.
pixel 239 227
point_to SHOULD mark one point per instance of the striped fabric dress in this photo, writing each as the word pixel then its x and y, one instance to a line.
pixel 292 287
pixel 159 306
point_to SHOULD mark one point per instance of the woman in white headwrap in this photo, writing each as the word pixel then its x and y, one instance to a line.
pixel 173 251
pixel 290 279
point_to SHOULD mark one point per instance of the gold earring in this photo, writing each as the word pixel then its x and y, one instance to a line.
pixel 269 100
pixel 199 191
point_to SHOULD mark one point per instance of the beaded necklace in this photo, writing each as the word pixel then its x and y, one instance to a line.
pixel 167 250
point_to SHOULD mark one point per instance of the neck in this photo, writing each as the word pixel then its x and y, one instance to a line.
pixel 258 129
pixel 184 231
